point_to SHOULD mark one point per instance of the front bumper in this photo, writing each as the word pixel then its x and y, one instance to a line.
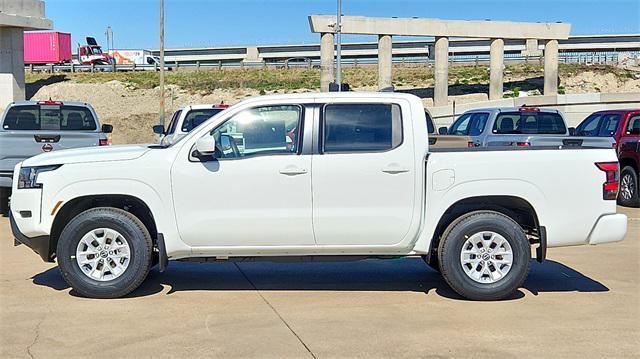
pixel 38 244
pixel 609 228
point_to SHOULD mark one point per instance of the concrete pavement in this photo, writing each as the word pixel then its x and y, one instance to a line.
pixel 583 302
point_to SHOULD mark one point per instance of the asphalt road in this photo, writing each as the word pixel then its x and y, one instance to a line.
pixel 583 302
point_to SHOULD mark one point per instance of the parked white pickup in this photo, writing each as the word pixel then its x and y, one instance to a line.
pixel 348 175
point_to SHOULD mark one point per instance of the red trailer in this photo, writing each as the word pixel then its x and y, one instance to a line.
pixel 47 47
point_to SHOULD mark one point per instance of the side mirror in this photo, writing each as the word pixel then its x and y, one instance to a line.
pixel 206 145
pixel 443 131
pixel 572 131
pixel 158 129
pixel 107 128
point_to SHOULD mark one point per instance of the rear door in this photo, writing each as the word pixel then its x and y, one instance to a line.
pixel 28 130
pixel 363 174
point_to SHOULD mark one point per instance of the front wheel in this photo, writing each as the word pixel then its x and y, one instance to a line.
pixel 629 195
pixel 104 253
pixel 484 255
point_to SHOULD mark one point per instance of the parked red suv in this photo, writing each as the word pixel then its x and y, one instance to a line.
pixel 624 127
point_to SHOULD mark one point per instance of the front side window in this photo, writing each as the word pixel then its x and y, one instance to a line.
pixel 361 127
pixel 49 118
pixel 599 125
pixel 470 124
pixel 269 130
pixel 195 118
pixel 633 128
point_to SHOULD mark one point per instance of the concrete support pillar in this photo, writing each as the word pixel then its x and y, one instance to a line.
pixel 326 60
pixel 12 87
pixel 551 67
pixel 496 69
pixel 441 90
pixel 385 64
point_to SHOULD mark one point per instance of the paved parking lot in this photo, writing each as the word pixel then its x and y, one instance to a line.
pixel 582 302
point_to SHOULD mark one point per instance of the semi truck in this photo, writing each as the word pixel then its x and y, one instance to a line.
pixel 53 47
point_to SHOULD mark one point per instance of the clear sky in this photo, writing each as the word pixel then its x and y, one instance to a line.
pixel 199 23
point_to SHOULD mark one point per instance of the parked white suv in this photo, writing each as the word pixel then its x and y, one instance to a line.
pixel 346 175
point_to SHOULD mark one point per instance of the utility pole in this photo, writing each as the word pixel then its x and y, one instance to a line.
pixel 162 62
pixel 339 46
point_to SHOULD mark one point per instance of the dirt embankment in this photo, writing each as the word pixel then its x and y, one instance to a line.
pixel 133 108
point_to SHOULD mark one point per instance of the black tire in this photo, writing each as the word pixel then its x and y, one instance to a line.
pixel 632 200
pixel 4 201
pixel 452 243
pixel 130 227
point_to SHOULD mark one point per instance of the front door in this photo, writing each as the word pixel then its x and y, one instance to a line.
pixel 364 177
pixel 257 189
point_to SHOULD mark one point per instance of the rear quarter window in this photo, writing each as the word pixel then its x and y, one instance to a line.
pixel 49 118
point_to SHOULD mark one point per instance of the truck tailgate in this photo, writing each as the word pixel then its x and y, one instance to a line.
pixel 16 146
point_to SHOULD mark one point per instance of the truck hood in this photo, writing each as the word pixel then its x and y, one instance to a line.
pixel 88 154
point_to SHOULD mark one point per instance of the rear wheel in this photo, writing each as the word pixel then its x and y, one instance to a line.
pixel 104 253
pixel 629 195
pixel 484 255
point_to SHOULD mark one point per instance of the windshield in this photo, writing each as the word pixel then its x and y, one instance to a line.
pixel 49 118
pixel 174 122
pixel 599 125
pixel 543 123
pixel 470 124
pixel 196 117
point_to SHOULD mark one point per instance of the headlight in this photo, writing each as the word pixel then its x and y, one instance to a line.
pixel 28 176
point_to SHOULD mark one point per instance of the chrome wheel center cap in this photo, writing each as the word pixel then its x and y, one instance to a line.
pixel 486 257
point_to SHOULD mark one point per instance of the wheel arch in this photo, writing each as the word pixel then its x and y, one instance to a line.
pixel 74 207
pixel 514 207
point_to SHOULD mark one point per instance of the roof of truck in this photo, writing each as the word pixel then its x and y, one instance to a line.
pixel 512 109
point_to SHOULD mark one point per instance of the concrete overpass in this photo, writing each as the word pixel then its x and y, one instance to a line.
pixel 442 30
pixel 16 16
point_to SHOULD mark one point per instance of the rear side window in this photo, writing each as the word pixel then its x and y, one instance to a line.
pixel 470 124
pixel 361 127
pixel 598 125
pixel 543 123
pixel 195 118
pixel 49 118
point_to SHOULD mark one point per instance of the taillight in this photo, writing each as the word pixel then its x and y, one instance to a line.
pixel 611 186
pixel 470 144
pixel 520 144
pixel 103 142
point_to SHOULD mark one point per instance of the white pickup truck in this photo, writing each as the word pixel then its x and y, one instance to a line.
pixel 357 181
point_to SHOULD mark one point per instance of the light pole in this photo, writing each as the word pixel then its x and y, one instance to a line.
pixel 162 62
pixel 339 46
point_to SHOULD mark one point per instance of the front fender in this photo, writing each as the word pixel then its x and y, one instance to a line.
pixel 160 205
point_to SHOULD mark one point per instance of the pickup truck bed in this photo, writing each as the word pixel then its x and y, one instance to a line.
pixel 356 178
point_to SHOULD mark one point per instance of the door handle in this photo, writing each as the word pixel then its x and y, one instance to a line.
pixel 395 168
pixel 292 171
